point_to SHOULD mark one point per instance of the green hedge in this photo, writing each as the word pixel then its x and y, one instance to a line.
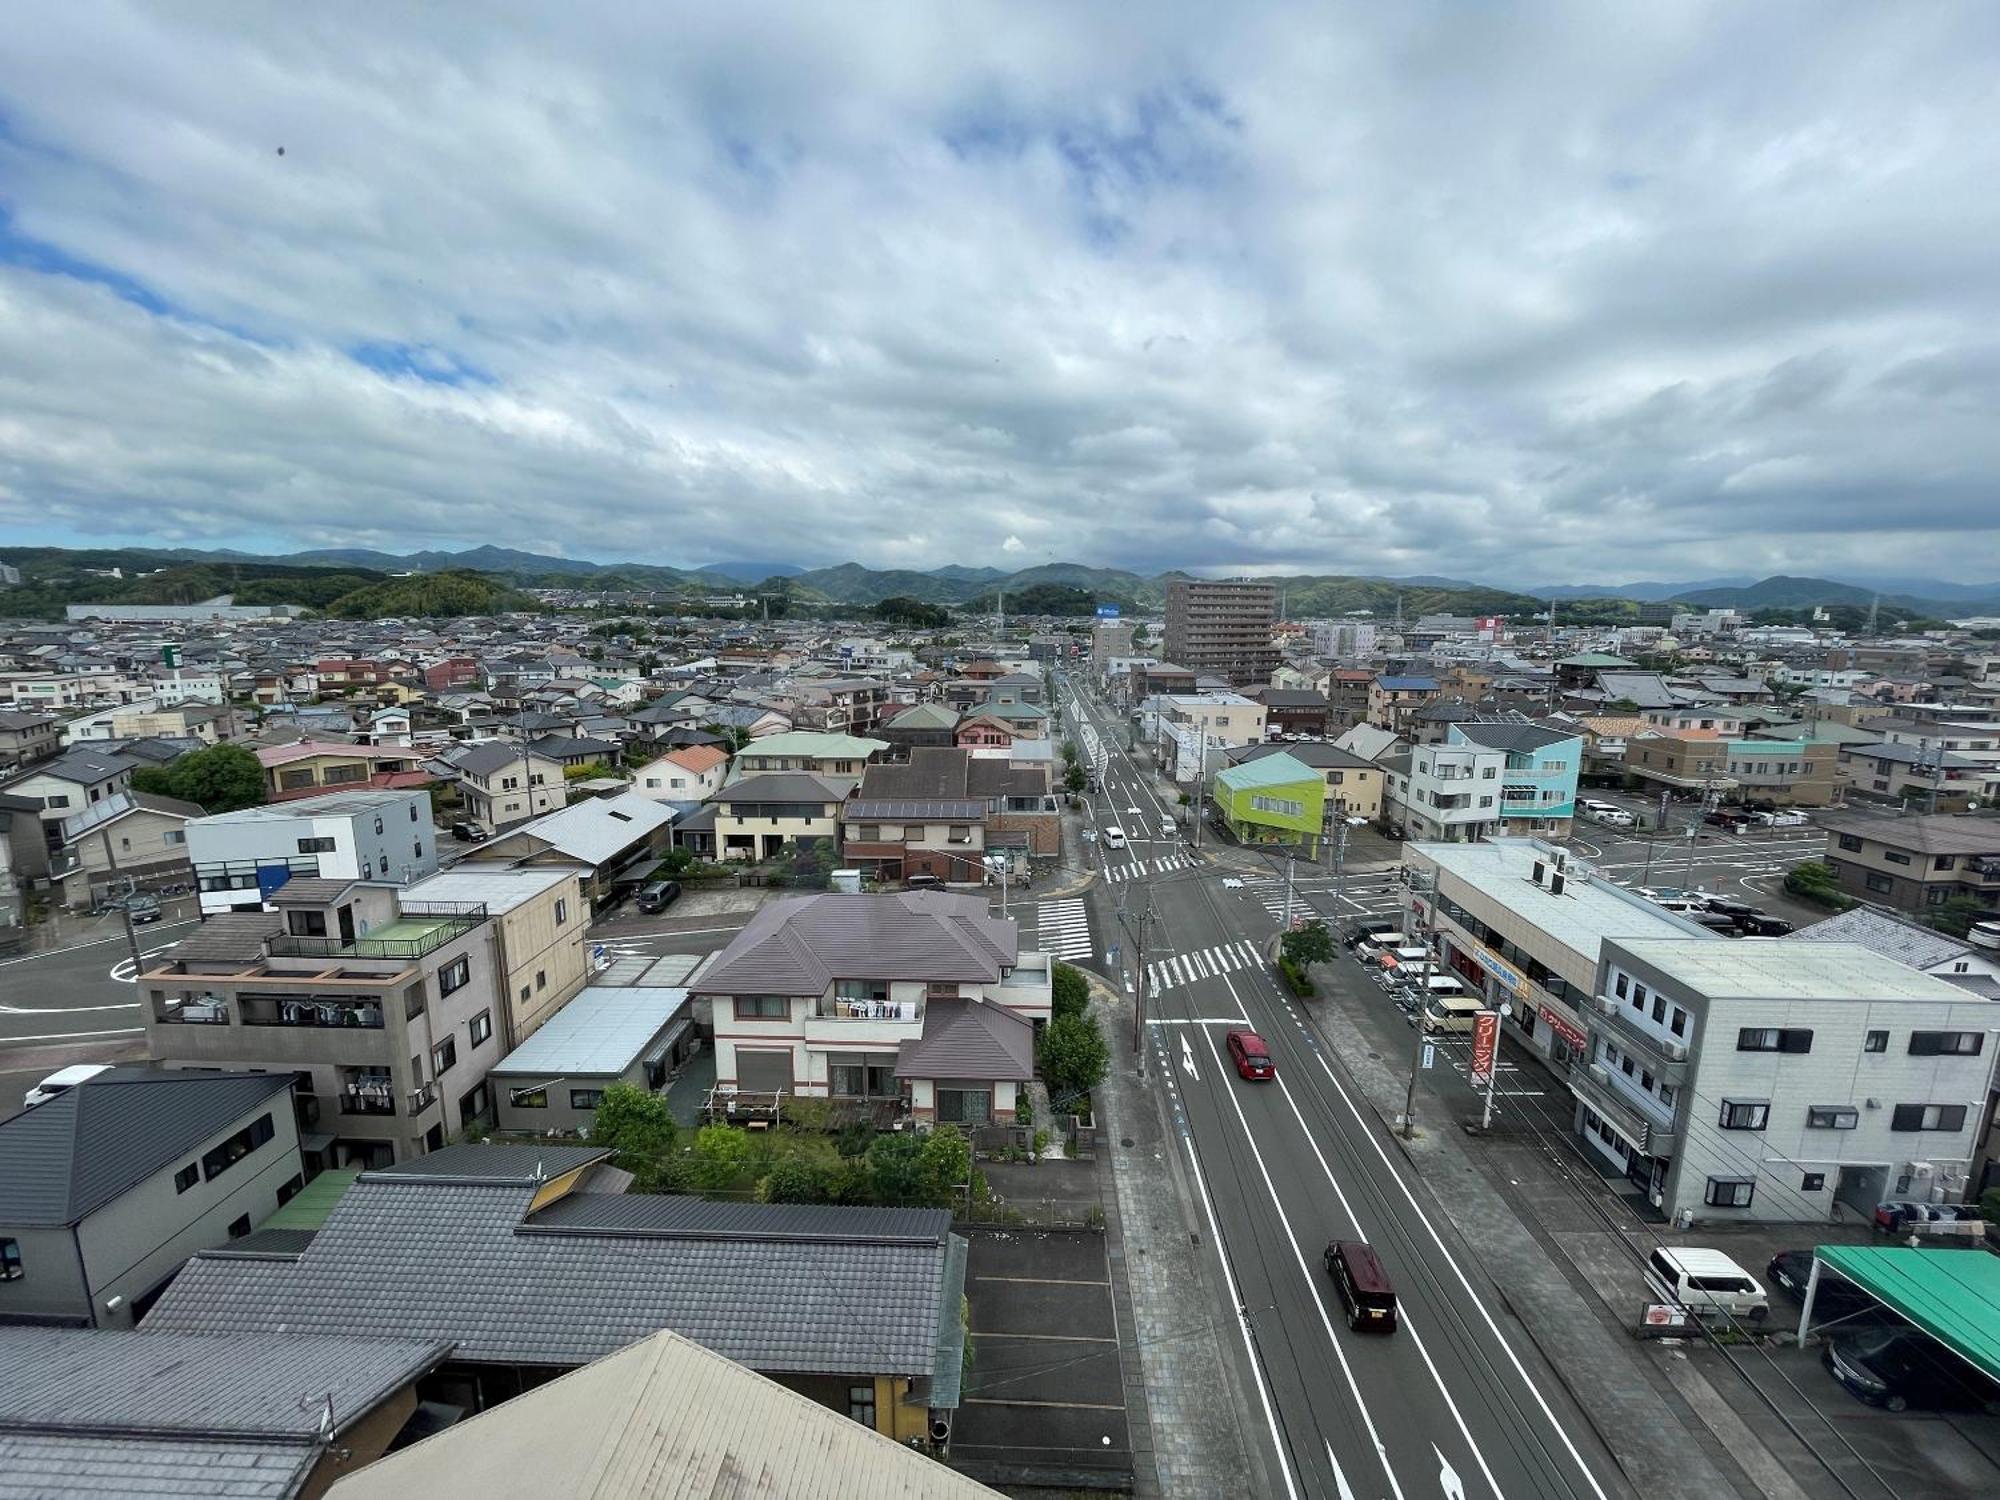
pixel 1297 980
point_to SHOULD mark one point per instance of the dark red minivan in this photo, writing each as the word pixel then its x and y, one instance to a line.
pixel 1363 1284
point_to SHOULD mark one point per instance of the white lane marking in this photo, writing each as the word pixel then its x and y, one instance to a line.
pixel 61 1010
pixel 1198 1021
pixel 1312 1282
pixel 71 1036
pixel 1477 1302
pixel 1409 1324
pixel 28 958
pixel 1242 1315
pixel 1187 1058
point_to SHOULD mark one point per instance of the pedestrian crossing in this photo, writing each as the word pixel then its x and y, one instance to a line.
pixel 1206 963
pixel 1141 867
pixel 1062 928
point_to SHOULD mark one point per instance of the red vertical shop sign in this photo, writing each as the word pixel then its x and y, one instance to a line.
pixel 1485 1043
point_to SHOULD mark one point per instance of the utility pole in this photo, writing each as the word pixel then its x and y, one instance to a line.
pixel 125 911
pixel 1139 988
pixel 1417 1056
pixel 1340 865
pixel 1289 862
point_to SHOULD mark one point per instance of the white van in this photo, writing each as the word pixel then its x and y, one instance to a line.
pixel 1706 1282
pixel 1447 1012
pixel 1596 809
pixel 1616 817
pixel 1114 838
pixel 61 1082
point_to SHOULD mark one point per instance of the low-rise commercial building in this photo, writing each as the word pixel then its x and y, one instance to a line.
pixel 1354 786
pixel 1273 800
pixel 607 1034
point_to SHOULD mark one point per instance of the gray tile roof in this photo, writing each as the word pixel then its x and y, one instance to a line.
pixel 71 1155
pixel 1513 736
pixel 1906 942
pixel 954 809
pixel 800 946
pixel 311 891
pixel 968 1039
pixel 67 1466
pixel 675 1215
pixel 228 936
pixel 452 1260
pixel 237 1385
pixel 780 786
pixel 494 755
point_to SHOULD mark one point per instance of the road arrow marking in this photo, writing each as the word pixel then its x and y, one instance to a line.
pixel 1454 1487
pixel 1339 1475
pixel 1187 1057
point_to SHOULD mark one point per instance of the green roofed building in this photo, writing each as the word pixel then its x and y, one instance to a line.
pixel 1276 800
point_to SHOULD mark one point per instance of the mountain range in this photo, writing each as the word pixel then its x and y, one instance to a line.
pixel 853 583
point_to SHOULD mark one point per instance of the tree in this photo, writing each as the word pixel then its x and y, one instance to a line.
pixel 1074 1056
pixel 801 1177
pixel 1311 943
pixel 219 779
pixel 1957 915
pixel 901 609
pixel 722 1157
pixel 896 1169
pixel 1815 883
pixel 947 1162
pixel 1070 753
pixel 1074 779
pixel 639 1132
pixel 1069 991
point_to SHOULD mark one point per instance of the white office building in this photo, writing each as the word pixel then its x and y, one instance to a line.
pixel 1446 793
pixel 241 858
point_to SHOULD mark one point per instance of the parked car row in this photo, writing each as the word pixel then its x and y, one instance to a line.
pixel 1724 914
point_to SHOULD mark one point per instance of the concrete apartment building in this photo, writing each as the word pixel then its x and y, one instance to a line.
pixel 1222 628
pixel 240 858
pixel 386 1011
pixel 1814 1080
pixel 1790 773
pixel 1445 793
pixel 1193 726
pixel 108 1188
pixel 1109 638
pixel 1915 862
pixel 540 921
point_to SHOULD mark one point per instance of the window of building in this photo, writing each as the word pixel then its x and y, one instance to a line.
pixel 444 1056
pixel 531 1099
pixel 187 1177
pixel 762 1007
pixel 417 848
pixel 1619 985
pixel 861 1404
pixel 1832 1117
pixel 526 990
pixel 378 825
pixel 1773 1039
pixel 1850 843
pixel 1928 1117
pixel 1679 1024
pixel 315 846
pixel 480 1027
pixel 290 1187
pixel 1881 884
pixel 1487 773
pixel 1638 997
pixel 239 1226
pixel 1659 1009
pixel 221 1158
pixel 10 1260
pixel 1812 1182
pixel 562 910
pixel 1877 1041
pixel 1895 858
pixel 455 975
pixel 541 979
pixel 1729 1192
pixel 1668 1093
pixel 1742 1116
pixel 1943 861
pixel 1946 1043
pixel 585 1098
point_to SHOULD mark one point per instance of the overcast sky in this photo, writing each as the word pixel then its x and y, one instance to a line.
pixel 1592 293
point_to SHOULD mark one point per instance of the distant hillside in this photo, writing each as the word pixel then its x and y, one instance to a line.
pixel 431 596
pixel 850 583
pixel 752 572
pixel 962 574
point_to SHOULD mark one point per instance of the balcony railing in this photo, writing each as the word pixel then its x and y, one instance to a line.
pixel 1667 1058
pixel 456 919
pixel 275 1010
pixel 423 1098
pixel 837 1009
pixel 368 1098
pixel 196 1010
pixel 1592 1083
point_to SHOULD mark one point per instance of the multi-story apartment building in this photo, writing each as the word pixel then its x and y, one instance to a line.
pixel 241 858
pixel 128 840
pixel 1445 793
pixel 1781 1081
pixel 26 737
pixel 1790 773
pixel 1392 699
pixel 504 783
pixel 1915 863
pixel 1347 697
pixel 1222 627
pixel 1928 776
pixel 386 1009
pixel 920 1004
pixel 1538 780
pixel 1109 638
pixel 1195 727
pixel 540 925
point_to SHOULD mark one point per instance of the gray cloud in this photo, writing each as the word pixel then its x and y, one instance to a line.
pixel 1519 294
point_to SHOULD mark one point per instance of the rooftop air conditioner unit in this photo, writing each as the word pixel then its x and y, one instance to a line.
pixel 1599 1073
pixel 1676 1051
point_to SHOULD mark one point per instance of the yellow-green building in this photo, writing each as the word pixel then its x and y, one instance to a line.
pixel 1276 800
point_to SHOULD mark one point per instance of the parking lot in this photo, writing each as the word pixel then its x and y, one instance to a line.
pixel 1046 1391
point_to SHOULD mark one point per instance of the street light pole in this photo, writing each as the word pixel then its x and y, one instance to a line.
pixel 1289 862
pixel 1416 877
pixel 1493 1070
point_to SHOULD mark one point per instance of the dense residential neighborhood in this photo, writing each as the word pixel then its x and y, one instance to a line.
pixel 522 937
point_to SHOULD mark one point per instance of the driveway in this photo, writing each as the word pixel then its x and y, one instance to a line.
pixel 1046 1394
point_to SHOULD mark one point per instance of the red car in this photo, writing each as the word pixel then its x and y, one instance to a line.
pixel 1251 1056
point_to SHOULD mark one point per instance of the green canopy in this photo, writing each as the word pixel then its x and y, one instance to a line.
pixel 311 1204
pixel 1953 1295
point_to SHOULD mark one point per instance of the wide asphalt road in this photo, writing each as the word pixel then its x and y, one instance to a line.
pixel 1458 1401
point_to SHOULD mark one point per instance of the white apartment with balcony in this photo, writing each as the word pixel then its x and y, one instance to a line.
pixel 241 858
pixel 917 1005
pixel 1446 793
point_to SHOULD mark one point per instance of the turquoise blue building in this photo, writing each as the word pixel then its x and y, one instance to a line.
pixel 1538 786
